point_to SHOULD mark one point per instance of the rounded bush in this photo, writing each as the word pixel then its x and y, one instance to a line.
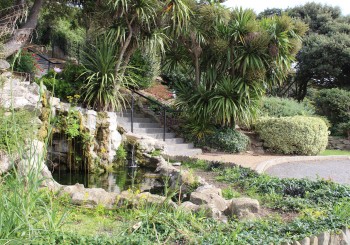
pixel 293 135
pixel 227 140
pixel 283 107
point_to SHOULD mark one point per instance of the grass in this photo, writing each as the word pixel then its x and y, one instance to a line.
pixel 335 153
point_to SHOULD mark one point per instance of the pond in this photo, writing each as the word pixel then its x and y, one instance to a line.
pixel 123 178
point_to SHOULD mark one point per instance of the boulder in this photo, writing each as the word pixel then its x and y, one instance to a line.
pixel 4 65
pixel 131 199
pixel 33 163
pixel 243 208
pixel 323 238
pixel 91 197
pixel 5 163
pixel 211 211
pixel 189 207
pixel 210 197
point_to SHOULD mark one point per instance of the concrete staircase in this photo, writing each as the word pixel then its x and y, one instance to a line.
pixel 148 126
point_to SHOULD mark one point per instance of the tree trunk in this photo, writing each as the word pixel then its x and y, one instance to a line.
pixel 124 46
pixel 23 34
pixel 128 55
pixel 196 50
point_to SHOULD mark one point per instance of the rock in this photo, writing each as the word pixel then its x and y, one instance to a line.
pixel 189 207
pixel 305 241
pixel 345 236
pixel 211 211
pixel 313 240
pixel 130 199
pixel 92 197
pixel 4 65
pixel 344 240
pixel 323 238
pixel 32 163
pixel 209 189
pixel 176 164
pixel 243 208
pixel 296 243
pixel 334 239
pixel 19 95
pixel 209 197
pixel 148 144
pixel 5 163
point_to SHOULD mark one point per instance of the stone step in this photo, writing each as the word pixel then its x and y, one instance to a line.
pixel 128 114
pixel 189 152
pixel 174 141
pixel 180 146
pixel 148 130
pixel 160 136
pixel 136 120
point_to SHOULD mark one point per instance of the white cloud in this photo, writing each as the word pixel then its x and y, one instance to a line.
pixel 259 6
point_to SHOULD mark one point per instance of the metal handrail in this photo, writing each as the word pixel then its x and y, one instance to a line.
pixel 45 58
pixel 164 109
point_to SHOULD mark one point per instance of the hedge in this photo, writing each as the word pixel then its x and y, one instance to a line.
pixel 227 140
pixel 284 107
pixel 299 135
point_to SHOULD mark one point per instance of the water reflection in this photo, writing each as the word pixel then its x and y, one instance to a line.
pixel 122 179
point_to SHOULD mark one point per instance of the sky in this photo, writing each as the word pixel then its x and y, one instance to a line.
pixel 261 5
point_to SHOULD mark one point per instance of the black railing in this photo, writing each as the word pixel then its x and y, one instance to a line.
pixel 49 62
pixel 165 111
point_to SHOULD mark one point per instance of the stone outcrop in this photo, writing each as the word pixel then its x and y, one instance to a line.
pixel 326 238
pixel 32 163
pixel 18 94
pixel 243 208
pixel 209 195
pixel 89 197
pixel 336 143
pixel 5 163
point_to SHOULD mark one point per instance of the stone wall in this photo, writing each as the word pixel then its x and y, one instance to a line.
pixel 326 238
pixel 337 143
pixel 101 127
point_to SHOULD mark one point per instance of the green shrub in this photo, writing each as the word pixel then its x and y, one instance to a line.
pixel 147 68
pixel 293 135
pixel 335 105
pixel 25 62
pixel 67 83
pixel 227 140
pixel 283 107
pixel 15 129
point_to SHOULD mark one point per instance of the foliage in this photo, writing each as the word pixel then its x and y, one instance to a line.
pixel 286 194
pixel 293 135
pixel 24 62
pixel 323 60
pixel 284 107
pixel 147 68
pixel 67 83
pixel 121 153
pixel 102 86
pixel 335 105
pixel 227 140
pixel 225 104
pixel 15 128
pixel 230 58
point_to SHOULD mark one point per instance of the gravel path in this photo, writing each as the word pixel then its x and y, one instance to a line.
pixel 245 160
pixel 335 170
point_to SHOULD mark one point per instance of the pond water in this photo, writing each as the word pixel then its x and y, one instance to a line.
pixel 121 179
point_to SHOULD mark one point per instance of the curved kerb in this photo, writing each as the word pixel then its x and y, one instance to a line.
pixel 263 166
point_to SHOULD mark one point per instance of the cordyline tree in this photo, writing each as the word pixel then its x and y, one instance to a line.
pixel 230 58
